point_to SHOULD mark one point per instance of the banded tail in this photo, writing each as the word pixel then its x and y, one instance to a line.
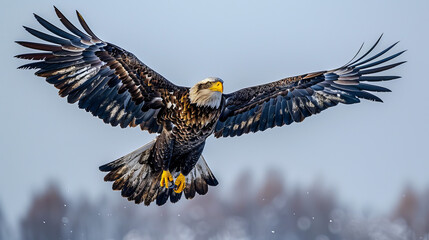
pixel 138 181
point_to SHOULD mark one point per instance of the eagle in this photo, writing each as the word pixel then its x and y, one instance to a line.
pixel 115 86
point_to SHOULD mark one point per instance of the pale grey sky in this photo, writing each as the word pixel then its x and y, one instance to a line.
pixel 367 152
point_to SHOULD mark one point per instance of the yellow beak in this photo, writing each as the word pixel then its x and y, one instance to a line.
pixel 217 86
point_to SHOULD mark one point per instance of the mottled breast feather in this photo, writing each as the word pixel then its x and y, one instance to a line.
pixel 192 124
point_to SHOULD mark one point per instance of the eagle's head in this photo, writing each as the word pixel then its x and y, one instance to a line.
pixel 207 93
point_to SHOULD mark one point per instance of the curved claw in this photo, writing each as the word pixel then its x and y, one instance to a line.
pixel 180 183
pixel 165 178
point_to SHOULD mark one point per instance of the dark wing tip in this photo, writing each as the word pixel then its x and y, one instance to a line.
pixel 357 53
pixel 38 18
pixel 105 168
pixel 58 12
pixel 86 27
pixel 212 181
pixel 396 64
pixel 369 51
pixel 34 56
pixel 32 31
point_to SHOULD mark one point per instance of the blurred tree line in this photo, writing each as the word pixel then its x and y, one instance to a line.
pixel 4 230
pixel 274 211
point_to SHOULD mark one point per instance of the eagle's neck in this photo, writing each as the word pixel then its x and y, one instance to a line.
pixel 205 97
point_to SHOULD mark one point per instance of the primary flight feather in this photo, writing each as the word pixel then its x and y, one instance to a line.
pixel 115 86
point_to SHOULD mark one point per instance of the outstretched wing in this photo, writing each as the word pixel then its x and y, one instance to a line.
pixel 295 98
pixel 104 79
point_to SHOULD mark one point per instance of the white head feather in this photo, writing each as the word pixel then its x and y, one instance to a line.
pixel 204 97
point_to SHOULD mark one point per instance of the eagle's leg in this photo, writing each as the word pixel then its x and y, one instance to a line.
pixel 180 183
pixel 166 178
pixel 163 150
pixel 188 163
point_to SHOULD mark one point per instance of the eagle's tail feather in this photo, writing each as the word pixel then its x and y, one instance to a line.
pixel 139 182
pixel 133 175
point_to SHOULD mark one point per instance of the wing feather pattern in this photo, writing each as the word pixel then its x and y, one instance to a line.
pixel 104 79
pixel 295 98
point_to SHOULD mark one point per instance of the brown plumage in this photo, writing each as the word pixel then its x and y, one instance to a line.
pixel 115 86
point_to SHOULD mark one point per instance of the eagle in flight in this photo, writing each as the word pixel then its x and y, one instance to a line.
pixel 115 86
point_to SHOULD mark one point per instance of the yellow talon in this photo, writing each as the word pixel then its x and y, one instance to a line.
pixel 180 183
pixel 165 178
